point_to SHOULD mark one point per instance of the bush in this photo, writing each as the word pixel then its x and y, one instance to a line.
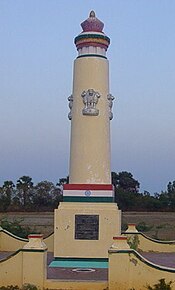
pixel 143 227
pixel 29 287
pixel 10 287
pixel 161 285
pixel 133 242
pixel 24 287
pixel 15 228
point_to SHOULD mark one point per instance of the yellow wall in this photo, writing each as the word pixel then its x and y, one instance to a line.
pixel 34 268
pixel 75 285
pixel 49 241
pixel 10 242
pixel 90 135
pixel 126 272
pixel 11 271
pixel 146 244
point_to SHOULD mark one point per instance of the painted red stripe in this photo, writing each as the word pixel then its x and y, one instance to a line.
pixel 83 44
pixel 120 238
pixel 88 187
pixel 35 236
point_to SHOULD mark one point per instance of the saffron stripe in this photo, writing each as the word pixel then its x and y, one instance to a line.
pixel 88 187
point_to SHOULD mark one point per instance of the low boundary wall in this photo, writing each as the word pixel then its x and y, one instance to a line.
pixel 140 241
pixel 137 240
pixel 11 242
pixel 129 270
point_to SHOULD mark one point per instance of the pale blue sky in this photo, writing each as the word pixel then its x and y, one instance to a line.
pixel 36 58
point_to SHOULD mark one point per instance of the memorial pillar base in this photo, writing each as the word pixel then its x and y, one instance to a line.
pixel 85 229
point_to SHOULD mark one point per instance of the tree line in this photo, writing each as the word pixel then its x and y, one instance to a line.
pixel 25 196
pixel 129 198
pixel 45 195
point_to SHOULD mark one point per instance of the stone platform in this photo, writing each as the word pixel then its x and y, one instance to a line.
pixel 75 273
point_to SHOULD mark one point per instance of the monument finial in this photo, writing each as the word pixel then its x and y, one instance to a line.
pixel 92 39
pixel 92 23
pixel 92 13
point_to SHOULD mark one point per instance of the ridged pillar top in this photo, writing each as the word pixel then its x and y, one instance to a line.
pixel 92 40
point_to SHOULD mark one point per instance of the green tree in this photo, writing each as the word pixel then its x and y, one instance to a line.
pixel 63 180
pixel 124 180
pixel 46 195
pixel 24 194
pixel 126 190
pixel 6 194
pixel 171 195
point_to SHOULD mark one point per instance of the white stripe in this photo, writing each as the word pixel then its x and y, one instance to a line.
pixel 93 193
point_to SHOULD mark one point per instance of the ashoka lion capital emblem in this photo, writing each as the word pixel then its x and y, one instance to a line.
pixel 90 100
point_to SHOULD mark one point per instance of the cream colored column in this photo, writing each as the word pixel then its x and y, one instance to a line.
pixel 90 135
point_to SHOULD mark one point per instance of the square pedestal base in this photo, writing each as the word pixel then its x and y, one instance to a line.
pixel 85 230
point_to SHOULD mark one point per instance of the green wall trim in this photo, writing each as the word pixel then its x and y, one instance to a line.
pixel 33 250
pixel 48 236
pixel 92 55
pixel 142 259
pixel 150 239
pixel 74 262
pixel 10 256
pixel 13 236
pixel 87 199
pixel 21 250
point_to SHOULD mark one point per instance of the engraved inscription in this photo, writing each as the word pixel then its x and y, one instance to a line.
pixel 86 227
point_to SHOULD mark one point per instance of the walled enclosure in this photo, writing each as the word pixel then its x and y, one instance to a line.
pixel 28 265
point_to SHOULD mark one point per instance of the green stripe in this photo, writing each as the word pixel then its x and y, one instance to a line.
pixel 92 55
pixel 87 199
pixel 80 263
pixel 82 36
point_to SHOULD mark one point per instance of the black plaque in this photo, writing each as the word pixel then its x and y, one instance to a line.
pixel 86 227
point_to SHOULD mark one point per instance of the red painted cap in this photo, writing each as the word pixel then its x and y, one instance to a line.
pixel 120 238
pixel 35 236
pixel 92 23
